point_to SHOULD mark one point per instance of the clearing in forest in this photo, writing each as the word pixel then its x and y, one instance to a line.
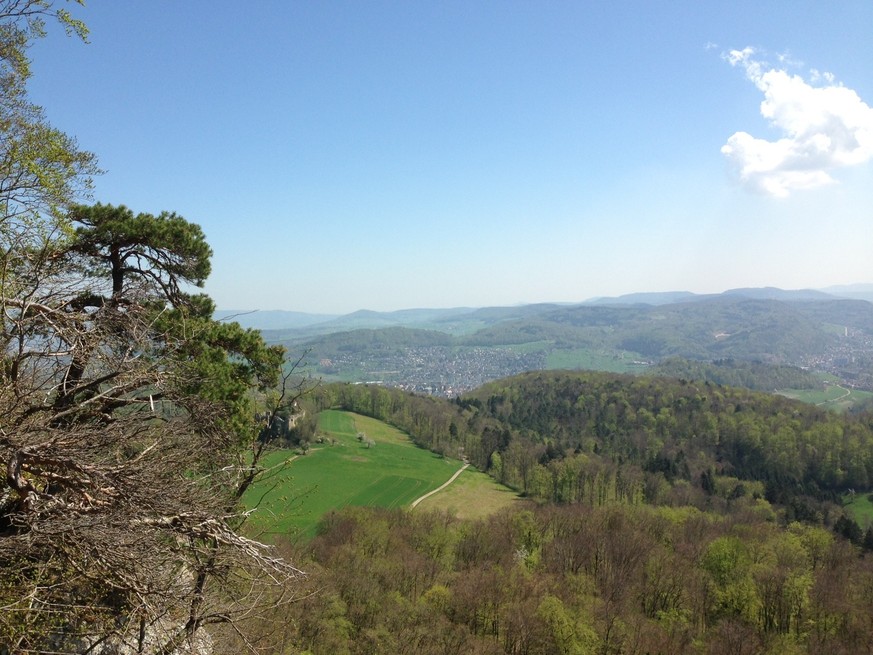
pixel 473 495
pixel 391 471
pixel 833 396
pixel 860 507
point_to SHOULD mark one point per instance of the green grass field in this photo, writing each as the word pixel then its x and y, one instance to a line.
pixel 529 347
pixel 861 508
pixel 344 471
pixel 595 360
pixel 473 495
pixel 831 397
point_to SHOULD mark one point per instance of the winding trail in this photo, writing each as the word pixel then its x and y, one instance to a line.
pixel 838 398
pixel 440 488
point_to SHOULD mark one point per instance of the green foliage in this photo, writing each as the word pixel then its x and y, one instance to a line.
pixel 217 362
pixel 598 438
pixel 726 559
pixel 42 169
pixel 620 580
pixel 739 373
pixel 600 572
pixel 571 635
pixel 680 429
pixel 125 411
pixel 166 250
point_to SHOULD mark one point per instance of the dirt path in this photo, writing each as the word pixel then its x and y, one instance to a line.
pixel 441 487
pixel 838 398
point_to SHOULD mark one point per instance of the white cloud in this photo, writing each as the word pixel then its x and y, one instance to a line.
pixel 823 128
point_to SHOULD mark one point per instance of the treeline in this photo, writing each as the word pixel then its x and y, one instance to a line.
pixel 432 423
pixel 595 437
pixel 579 580
pixel 738 373
pixel 372 344
pixel 684 428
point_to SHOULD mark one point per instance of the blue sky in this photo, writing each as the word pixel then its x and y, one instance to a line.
pixel 390 155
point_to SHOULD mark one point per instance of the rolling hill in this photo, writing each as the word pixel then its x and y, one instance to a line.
pixel 447 351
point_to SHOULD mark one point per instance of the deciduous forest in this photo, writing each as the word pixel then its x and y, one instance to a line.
pixel 665 516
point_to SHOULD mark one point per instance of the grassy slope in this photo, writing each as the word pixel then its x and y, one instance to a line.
pixel 473 495
pixel 861 508
pixel 831 397
pixel 595 359
pixel 392 473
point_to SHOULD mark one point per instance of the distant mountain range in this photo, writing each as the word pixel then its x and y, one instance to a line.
pixel 450 351
pixel 451 320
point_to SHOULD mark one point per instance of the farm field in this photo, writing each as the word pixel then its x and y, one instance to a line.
pixel 344 471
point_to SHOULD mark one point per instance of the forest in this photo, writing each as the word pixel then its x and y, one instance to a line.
pixel 580 579
pixel 551 434
pixel 664 516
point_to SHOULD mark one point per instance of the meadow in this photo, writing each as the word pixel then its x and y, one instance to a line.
pixel 391 471
pixel 832 396
pixel 614 361
pixel 473 495
pixel 860 506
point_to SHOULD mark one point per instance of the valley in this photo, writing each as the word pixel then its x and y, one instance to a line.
pixel 450 352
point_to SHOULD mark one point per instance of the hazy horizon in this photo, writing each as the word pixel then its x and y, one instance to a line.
pixel 860 287
pixel 387 155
